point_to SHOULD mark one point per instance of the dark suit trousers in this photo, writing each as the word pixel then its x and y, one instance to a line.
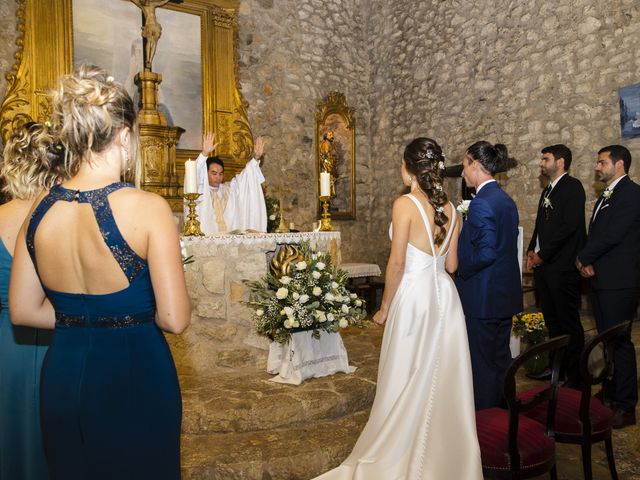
pixel 559 294
pixel 610 308
pixel 490 358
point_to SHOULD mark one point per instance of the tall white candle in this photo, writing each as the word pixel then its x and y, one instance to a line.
pixel 190 179
pixel 325 184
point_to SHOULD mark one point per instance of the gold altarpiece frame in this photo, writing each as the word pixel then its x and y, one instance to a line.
pixel 336 116
pixel 45 51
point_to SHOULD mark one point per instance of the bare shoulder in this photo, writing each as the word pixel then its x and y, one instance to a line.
pixel 145 207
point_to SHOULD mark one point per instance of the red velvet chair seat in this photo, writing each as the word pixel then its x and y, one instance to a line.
pixel 493 425
pixel 567 420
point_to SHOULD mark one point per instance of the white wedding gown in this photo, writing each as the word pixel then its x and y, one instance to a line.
pixel 422 422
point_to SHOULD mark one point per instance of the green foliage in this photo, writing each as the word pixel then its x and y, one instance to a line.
pixel 313 297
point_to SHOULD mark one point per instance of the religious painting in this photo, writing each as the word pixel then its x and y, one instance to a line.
pixel 336 153
pixel 630 111
pixel 111 39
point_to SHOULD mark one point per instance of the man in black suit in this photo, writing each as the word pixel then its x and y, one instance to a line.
pixel 611 259
pixel 558 236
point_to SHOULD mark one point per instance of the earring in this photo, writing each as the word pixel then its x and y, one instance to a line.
pixel 126 160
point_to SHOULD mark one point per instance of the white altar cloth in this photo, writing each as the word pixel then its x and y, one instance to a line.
pixel 361 269
pixel 305 357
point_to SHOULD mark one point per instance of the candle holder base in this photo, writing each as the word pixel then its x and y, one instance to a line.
pixel 192 225
pixel 325 220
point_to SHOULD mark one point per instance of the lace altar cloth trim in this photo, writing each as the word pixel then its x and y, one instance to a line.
pixel 307 357
pixel 361 269
pixel 256 238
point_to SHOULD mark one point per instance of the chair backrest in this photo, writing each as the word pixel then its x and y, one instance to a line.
pixel 588 376
pixel 554 348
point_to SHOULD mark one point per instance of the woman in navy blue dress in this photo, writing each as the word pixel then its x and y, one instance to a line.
pixel 30 164
pixel 100 262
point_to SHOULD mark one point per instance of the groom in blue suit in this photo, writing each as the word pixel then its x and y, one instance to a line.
pixel 488 277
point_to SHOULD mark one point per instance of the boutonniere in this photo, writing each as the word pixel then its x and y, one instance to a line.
pixel 546 203
pixel 463 208
pixel 607 193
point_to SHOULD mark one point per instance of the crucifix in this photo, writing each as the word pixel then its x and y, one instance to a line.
pixel 280 192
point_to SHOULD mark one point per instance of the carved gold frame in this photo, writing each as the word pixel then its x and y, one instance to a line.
pixel 336 107
pixel 45 51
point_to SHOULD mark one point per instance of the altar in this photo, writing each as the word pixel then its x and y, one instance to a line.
pixel 221 334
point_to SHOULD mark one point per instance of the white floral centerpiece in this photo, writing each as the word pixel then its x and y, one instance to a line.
pixel 312 297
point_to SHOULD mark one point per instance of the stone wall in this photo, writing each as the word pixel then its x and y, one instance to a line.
pixel 526 74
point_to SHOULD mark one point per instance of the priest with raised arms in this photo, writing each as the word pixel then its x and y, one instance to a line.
pixel 224 207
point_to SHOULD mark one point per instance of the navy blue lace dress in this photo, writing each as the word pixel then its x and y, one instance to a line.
pixel 110 400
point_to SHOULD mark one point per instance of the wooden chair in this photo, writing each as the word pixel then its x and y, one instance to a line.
pixel 580 418
pixel 512 445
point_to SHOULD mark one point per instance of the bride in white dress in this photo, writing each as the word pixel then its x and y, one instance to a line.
pixel 422 422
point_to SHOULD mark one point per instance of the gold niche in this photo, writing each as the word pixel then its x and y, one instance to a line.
pixel 45 51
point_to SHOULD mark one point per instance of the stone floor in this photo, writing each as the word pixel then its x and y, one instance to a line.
pixel 242 426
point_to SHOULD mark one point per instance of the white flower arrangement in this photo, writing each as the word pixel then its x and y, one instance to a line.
pixel 463 208
pixel 312 297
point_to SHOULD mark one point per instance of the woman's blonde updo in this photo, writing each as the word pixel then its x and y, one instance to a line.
pixel 89 109
pixel 32 161
pixel 424 159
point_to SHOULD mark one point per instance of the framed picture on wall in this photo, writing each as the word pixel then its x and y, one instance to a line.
pixel 110 38
pixel 630 111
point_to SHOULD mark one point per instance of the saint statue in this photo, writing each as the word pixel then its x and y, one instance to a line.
pixel 151 29
pixel 329 158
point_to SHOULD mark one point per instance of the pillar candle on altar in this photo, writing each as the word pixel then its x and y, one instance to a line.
pixel 325 184
pixel 190 178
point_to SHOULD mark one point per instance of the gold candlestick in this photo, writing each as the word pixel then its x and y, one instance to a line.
pixel 325 222
pixel 282 226
pixel 192 225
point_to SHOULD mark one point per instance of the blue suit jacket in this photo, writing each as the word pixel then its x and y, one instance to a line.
pixel 488 278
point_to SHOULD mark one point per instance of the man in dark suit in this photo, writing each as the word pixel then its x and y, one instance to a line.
pixel 488 278
pixel 611 259
pixel 558 236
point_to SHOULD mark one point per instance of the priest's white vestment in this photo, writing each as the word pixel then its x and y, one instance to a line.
pixel 242 200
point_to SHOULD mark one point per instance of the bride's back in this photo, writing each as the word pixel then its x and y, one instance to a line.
pixel 418 235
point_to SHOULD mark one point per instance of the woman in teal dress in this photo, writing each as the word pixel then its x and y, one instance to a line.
pixel 30 164
pixel 99 261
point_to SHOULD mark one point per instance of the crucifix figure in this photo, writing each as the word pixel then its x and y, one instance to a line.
pixel 151 29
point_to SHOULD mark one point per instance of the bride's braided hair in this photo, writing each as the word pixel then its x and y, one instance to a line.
pixel 424 159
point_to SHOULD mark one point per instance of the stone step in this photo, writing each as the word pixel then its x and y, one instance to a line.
pixel 297 453
pixel 247 401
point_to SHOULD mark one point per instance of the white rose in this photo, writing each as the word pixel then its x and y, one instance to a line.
pixel 316 275
pixel 329 297
pixel 334 285
pixel 288 323
pixel 343 323
pixel 285 280
pixel 330 317
pixel 282 293
pixel 296 295
pixel 321 316
pixel 296 324
pixel 320 265
pixel 303 298
pixel 301 265
pixel 288 311
pixel 358 303
pixel 317 291
pixel 353 295
pixel 345 309
pixel 314 256
pixel 259 312
pixel 272 217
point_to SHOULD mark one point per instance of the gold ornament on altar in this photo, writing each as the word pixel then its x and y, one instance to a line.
pixel 280 191
pixel 281 264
